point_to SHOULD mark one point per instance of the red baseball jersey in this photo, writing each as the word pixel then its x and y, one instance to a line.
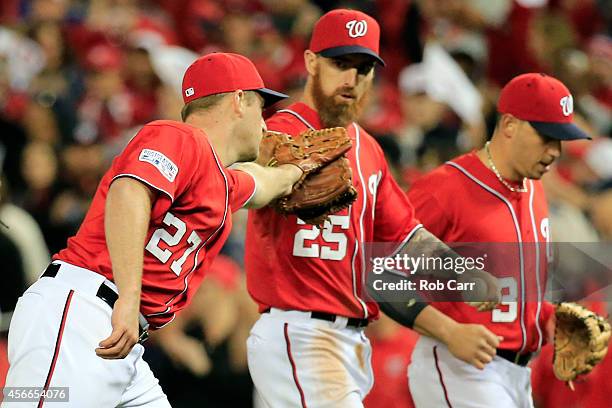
pixel 190 217
pixel 463 201
pixel 294 266
pixel 391 357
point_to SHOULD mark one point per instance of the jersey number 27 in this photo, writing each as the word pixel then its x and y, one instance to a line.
pixel 171 241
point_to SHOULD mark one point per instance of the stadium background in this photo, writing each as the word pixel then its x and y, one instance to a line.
pixel 78 79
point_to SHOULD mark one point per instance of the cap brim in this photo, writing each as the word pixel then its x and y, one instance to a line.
pixel 560 131
pixel 270 96
pixel 351 49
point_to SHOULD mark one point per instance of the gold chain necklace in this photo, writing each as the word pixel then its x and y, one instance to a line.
pixel 499 177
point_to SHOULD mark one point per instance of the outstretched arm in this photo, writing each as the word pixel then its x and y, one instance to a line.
pixel 405 308
pixel 287 160
pixel 486 292
pixel 471 343
pixel 272 182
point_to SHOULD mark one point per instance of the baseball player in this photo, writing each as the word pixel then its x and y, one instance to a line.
pixel 308 348
pixel 494 195
pixel 160 215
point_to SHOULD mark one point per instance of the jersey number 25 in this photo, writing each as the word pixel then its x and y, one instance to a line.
pixel 334 246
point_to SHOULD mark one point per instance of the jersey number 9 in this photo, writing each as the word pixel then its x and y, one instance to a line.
pixel 508 302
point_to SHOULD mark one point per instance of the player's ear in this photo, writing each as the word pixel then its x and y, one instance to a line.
pixel 239 102
pixel 310 61
pixel 509 125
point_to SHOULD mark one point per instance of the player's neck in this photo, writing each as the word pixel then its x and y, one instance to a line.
pixel 498 157
pixel 307 98
pixel 216 131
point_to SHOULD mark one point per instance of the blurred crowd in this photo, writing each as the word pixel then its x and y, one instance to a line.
pixel 78 78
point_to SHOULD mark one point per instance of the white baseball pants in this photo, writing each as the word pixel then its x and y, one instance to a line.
pixel 298 361
pixel 55 329
pixel 438 379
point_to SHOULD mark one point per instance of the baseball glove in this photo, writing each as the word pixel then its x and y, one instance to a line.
pixel 322 193
pixel 581 341
pixel 310 150
pixel 326 185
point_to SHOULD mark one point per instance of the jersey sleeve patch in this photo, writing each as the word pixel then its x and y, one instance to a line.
pixel 162 163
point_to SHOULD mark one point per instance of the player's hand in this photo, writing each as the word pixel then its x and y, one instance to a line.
pixel 473 344
pixel 486 293
pixel 188 352
pixel 125 330
pixel 294 173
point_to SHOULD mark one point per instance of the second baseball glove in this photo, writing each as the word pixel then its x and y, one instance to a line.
pixel 326 186
pixel 310 150
pixel 581 341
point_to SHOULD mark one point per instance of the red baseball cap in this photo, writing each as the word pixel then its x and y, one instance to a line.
pixel 103 57
pixel 343 31
pixel 221 72
pixel 544 102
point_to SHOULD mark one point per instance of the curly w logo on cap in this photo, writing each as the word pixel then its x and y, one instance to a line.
pixel 357 28
pixel 344 31
pixel 544 102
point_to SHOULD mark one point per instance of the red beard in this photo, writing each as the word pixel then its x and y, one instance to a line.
pixel 331 112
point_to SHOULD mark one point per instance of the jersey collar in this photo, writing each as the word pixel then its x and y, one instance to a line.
pixel 474 165
pixel 306 112
pixel 312 117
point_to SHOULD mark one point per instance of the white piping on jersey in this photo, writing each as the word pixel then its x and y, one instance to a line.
pixel 400 247
pixel 520 242
pixel 195 259
pixel 254 190
pixel 537 266
pixel 297 115
pixel 144 181
pixel 159 313
pixel 375 194
pixel 359 243
pixel 406 240
pixel 167 323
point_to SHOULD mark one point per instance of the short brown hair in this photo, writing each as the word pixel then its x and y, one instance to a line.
pixel 203 103
pixel 208 102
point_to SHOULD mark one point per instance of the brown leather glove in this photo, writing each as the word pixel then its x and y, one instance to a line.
pixel 581 341
pixel 326 186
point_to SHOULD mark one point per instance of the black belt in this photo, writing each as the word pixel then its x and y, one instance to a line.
pixel 106 293
pixel 352 321
pixel 514 357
